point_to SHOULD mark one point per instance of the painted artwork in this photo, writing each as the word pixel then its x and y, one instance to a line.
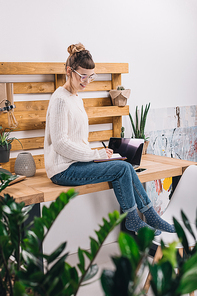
pixel 180 142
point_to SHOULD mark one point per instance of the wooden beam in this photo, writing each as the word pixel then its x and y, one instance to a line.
pixel 116 80
pixel 94 112
pixel 29 68
pixel 33 87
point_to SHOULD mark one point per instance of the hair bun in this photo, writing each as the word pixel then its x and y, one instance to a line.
pixel 75 48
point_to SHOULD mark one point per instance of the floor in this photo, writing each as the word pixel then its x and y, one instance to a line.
pixel 104 262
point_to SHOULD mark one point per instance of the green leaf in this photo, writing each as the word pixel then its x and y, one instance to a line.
pixel 188 284
pixel 81 265
pixel 161 277
pixel 187 224
pixel 19 289
pixel 145 237
pixel 181 235
pixel 169 253
pixel 122 277
pixel 94 246
pixel 92 271
pixel 107 281
pixel 56 253
pixel 129 247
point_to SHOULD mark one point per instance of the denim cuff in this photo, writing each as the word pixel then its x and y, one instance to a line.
pixel 144 209
pixel 131 209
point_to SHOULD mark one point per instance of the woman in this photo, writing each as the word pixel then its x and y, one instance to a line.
pixel 69 158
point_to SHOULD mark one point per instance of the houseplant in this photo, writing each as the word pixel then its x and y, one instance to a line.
pixel 21 272
pixel 119 96
pixel 5 144
pixel 139 125
pixel 129 266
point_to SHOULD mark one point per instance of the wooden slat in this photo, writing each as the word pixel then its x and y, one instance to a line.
pixel 60 80
pixel 28 106
pixel 97 102
pixel 30 68
pixel 49 87
pixel 116 80
pixel 98 86
pixel 100 120
pixel 33 87
pixel 38 142
pixel 94 112
pixel 28 144
pixel 100 135
pixel 117 124
pixel 111 68
pixel 31 115
pixel 25 68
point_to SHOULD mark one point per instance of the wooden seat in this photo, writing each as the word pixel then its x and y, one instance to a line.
pixel 31 115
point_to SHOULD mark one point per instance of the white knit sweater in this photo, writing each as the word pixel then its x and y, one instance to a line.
pixel 66 133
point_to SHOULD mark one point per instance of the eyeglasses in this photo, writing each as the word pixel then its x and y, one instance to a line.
pixel 85 77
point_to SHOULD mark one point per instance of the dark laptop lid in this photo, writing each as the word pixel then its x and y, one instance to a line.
pixel 129 147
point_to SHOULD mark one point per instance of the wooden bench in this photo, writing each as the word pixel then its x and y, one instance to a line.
pixel 31 115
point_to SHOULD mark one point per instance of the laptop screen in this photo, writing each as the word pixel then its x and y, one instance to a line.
pixel 128 147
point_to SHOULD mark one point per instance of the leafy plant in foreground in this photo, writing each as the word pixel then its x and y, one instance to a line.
pixel 129 266
pixel 21 255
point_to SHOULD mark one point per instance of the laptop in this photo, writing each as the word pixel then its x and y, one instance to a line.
pixel 128 147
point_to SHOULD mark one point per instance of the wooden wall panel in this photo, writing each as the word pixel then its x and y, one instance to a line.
pixel 25 68
pixel 33 87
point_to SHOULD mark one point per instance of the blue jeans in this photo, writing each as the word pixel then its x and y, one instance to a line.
pixel 127 187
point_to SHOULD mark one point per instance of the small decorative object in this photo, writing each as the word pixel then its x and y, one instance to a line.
pixel 119 96
pixel 122 132
pixel 7 103
pixel 5 153
pixel 139 126
pixel 25 164
pixel 5 145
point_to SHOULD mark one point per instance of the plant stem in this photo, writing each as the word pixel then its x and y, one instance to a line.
pixel 7 271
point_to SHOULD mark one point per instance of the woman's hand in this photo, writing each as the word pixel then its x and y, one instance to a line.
pixel 109 152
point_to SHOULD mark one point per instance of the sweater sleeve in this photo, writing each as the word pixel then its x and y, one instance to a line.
pixel 62 144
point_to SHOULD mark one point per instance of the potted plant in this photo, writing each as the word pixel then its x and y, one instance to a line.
pixel 139 126
pixel 119 96
pixel 21 268
pixel 130 265
pixel 5 144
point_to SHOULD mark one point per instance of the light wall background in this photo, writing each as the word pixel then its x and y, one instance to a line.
pixel 158 38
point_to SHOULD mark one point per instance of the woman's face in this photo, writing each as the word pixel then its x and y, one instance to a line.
pixel 80 78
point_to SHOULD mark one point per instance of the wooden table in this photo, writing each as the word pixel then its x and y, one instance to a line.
pixel 41 189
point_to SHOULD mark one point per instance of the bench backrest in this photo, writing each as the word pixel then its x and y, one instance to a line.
pixel 31 114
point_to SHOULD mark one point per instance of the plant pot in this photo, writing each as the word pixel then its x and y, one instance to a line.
pixel 25 165
pixel 145 147
pixel 5 153
pixel 119 97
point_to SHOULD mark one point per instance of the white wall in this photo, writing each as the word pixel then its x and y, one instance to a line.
pixel 158 38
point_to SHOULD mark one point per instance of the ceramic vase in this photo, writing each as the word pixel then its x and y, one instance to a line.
pixel 119 97
pixel 25 164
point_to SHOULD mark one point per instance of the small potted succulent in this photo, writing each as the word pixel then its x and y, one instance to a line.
pixel 119 96
pixel 139 126
pixel 5 144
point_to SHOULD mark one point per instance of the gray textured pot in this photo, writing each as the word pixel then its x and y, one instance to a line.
pixel 25 164
pixel 5 153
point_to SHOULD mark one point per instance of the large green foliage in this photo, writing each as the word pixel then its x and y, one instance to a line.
pixel 124 280
pixel 21 255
